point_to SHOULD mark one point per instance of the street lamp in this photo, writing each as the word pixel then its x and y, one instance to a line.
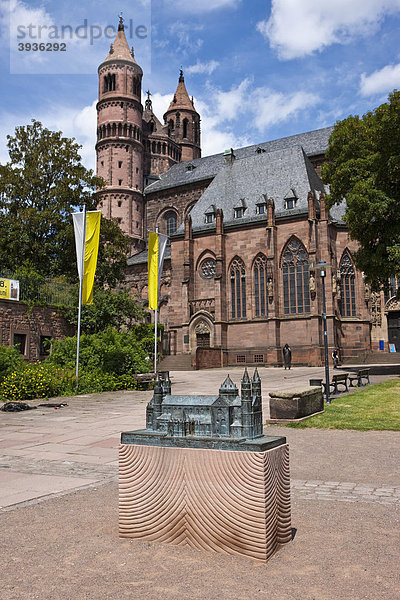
pixel 322 266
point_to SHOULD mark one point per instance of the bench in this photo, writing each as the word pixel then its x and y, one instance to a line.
pixel 340 379
pixel 359 376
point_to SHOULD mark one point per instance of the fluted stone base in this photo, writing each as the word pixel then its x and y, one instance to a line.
pixel 233 502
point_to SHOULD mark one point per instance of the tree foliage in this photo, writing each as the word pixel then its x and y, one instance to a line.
pixel 117 309
pixel 363 169
pixel 43 183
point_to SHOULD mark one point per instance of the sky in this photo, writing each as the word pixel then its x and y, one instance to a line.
pixel 258 69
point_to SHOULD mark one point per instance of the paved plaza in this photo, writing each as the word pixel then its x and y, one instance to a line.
pixel 58 499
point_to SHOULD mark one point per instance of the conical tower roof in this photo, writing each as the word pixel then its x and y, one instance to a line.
pixel 181 100
pixel 120 50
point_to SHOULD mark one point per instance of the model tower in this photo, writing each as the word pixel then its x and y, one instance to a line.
pixel 183 122
pixel 119 145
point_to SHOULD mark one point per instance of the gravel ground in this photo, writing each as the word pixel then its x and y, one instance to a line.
pixel 68 547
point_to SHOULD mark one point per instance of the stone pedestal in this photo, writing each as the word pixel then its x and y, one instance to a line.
pixel 230 501
pixel 295 403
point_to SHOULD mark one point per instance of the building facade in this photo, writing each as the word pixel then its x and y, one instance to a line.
pixel 248 229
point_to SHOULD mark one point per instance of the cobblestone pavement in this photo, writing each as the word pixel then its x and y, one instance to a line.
pixel 340 491
pixel 346 492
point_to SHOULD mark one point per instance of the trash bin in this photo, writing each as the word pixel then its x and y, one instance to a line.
pixel 316 382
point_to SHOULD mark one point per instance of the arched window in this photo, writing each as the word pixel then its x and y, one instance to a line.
pixel 184 128
pixel 238 288
pixel 296 293
pixel 171 222
pixel 260 285
pixel 347 286
pixel 109 83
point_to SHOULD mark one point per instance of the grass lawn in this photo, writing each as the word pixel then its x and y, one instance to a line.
pixel 374 407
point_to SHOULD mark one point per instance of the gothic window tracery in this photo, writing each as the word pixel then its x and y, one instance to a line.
pixel 208 268
pixel 260 285
pixel 237 275
pixel 296 293
pixel 347 286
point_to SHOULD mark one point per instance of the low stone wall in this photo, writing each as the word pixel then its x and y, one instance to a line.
pixel 210 358
pixel 33 324
pixel 295 403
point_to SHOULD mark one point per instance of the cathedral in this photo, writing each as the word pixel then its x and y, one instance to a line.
pixel 248 229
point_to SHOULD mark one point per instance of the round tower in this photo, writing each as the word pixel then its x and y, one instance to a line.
pixel 183 122
pixel 119 145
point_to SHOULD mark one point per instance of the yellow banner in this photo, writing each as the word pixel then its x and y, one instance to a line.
pixel 153 270
pixel 91 252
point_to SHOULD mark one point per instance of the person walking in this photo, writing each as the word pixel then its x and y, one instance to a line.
pixel 287 356
pixel 335 358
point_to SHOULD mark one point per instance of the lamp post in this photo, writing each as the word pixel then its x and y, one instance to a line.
pixel 322 271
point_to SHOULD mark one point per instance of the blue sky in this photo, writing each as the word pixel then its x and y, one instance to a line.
pixel 258 69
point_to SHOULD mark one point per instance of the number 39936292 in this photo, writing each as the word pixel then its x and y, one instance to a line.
pixel 42 47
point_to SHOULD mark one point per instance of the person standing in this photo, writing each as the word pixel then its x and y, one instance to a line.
pixel 335 358
pixel 287 356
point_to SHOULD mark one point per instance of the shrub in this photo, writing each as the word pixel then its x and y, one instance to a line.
pixel 10 360
pixel 36 380
pixel 110 351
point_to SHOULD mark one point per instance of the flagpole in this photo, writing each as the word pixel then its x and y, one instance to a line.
pixel 80 294
pixel 155 329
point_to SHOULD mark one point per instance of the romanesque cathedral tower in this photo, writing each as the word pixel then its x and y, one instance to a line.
pixel 119 138
pixel 133 147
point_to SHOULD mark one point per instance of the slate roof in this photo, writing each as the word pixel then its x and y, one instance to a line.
pixel 280 174
pixel 141 257
pixel 188 400
pixel 313 142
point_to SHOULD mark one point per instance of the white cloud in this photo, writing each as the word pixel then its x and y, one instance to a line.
pixel 295 29
pixel 274 107
pixel 199 67
pixel 79 123
pixel 160 103
pixel 230 104
pixel 380 81
pixel 201 6
pixel 184 39
pixel 260 107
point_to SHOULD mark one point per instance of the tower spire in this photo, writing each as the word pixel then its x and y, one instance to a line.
pixel 148 103
pixel 121 22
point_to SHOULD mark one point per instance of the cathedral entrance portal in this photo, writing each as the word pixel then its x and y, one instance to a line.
pixel 201 333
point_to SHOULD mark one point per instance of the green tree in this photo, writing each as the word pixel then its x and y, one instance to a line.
pixel 43 183
pixel 363 169
pixel 116 309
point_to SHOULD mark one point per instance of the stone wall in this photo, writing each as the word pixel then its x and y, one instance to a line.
pixel 180 200
pixel 35 323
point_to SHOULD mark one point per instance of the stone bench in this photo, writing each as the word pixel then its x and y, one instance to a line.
pixel 296 403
